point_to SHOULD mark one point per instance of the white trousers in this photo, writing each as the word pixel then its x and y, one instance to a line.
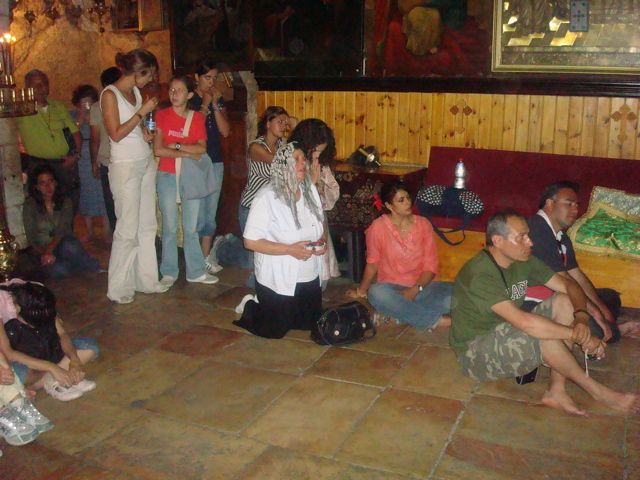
pixel 133 265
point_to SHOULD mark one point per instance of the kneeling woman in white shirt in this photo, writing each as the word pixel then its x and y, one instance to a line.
pixel 285 216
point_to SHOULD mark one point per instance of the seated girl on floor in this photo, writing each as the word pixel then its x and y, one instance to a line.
pixel 402 263
pixel 20 421
pixel 33 338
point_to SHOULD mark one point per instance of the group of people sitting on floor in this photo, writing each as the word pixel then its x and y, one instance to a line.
pixel 521 302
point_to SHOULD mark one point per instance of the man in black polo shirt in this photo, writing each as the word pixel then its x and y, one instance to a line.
pixel 558 211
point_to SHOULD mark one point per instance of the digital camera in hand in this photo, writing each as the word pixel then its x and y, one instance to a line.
pixel 314 246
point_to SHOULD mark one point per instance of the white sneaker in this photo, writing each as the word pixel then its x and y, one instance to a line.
pixel 64 394
pixel 212 267
pixel 219 240
pixel 206 278
pixel 167 281
pixel 31 415
pixel 243 302
pixel 85 386
pixel 14 429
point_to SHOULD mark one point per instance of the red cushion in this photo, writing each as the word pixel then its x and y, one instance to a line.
pixel 517 179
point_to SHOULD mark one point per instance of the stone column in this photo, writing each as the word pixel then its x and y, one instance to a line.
pixel 11 191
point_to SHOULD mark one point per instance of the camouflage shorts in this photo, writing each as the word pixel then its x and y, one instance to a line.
pixel 505 352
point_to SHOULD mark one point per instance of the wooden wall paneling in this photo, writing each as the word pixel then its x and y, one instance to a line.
pixel 497 122
pixel 309 100
pixel 574 128
pixel 297 110
pixel 403 155
pixel 329 114
pixel 614 149
pixel 562 125
pixel 360 115
pixel 426 127
pixel 437 119
pixel 448 120
pixel 522 123
pixel 391 127
pixel 547 124
pixel 414 111
pixel 603 117
pixel 337 119
pixel 472 127
pixel 509 122
pixel 261 103
pixel 535 123
pixel 320 105
pixel 590 112
pixel 484 121
pixel 629 145
pixel 371 119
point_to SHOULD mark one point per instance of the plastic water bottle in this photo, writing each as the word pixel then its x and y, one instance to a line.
pixel 460 173
pixel 150 122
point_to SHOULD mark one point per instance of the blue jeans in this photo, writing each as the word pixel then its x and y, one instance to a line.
pixel 194 259
pixel 426 310
pixel 71 257
pixel 81 343
pixel 232 251
pixel 209 205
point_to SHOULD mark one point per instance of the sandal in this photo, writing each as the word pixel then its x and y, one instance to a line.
pixel 57 391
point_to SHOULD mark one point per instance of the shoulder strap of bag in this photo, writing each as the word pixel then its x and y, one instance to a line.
pixel 442 233
pixel 493 260
pixel 185 134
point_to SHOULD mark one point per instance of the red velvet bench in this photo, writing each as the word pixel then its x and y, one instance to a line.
pixel 516 179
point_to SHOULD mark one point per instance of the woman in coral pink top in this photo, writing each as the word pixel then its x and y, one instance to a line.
pixel 402 254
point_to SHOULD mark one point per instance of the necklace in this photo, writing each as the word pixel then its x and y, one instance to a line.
pixel 47 120
pixel 399 226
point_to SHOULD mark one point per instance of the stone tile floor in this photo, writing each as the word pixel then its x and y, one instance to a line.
pixel 184 394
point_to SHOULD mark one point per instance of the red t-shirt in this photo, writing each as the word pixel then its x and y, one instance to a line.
pixel 171 124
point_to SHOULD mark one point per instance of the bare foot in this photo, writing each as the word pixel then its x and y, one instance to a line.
pixel 445 322
pixel 623 402
pixel 629 327
pixel 560 400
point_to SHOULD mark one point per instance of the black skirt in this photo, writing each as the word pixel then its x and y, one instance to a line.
pixel 274 314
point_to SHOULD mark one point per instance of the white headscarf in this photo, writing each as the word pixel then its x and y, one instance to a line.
pixel 284 183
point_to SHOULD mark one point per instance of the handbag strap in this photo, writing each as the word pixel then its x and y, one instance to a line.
pixel 443 233
pixel 185 134
pixel 493 260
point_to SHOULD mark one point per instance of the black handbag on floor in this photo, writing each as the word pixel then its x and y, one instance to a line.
pixel 344 325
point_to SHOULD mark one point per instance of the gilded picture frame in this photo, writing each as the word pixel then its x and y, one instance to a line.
pixel 139 15
pixel 544 36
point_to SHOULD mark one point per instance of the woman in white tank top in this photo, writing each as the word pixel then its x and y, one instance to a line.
pixel 133 265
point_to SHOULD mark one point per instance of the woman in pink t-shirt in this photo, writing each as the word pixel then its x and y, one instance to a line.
pixel 402 254
pixel 170 143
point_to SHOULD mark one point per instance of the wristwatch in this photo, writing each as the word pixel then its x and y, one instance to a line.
pixel 178 146
pixel 420 287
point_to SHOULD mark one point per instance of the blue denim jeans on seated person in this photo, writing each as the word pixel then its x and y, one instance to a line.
pixel 71 256
pixel 209 204
pixel 426 310
pixel 81 343
pixel 232 251
pixel 194 259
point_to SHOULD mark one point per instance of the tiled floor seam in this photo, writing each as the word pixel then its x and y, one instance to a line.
pixel 453 431
pixel 357 422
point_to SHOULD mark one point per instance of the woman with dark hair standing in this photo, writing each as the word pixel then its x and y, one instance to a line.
pixel 316 140
pixel 402 254
pixel 47 216
pixel 91 198
pixel 132 173
pixel 208 100
pixel 272 128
